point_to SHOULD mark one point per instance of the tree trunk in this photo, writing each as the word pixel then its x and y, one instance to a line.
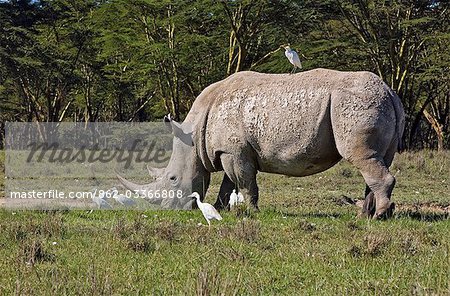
pixel 437 128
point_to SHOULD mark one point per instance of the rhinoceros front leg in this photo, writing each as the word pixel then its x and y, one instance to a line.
pixel 226 188
pixel 242 171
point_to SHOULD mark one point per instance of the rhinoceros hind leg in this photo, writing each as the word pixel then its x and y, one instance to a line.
pixel 381 183
pixel 223 197
pixel 368 208
pixel 242 172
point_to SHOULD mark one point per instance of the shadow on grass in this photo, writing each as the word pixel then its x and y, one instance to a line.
pixel 306 215
pixel 318 215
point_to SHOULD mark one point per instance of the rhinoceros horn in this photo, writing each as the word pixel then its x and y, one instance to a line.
pixel 132 186
pixel 139 189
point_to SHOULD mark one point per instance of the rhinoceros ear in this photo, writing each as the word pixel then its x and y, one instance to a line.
pixel 167 119
pixel 181 131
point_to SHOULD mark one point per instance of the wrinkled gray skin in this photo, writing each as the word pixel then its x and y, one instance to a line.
pixel 295 125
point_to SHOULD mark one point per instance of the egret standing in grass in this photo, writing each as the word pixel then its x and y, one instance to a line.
pixel 123 200
pixel 208 211
pixel 100 200
pixel 292 57
pixel 233 199
pixel 240 198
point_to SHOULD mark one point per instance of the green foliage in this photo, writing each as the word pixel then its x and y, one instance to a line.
pixel 138 60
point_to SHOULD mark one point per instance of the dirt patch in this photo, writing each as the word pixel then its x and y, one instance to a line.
pixel 425 207
pixel 425 210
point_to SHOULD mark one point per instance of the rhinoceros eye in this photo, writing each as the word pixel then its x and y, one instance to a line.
pixel 173 178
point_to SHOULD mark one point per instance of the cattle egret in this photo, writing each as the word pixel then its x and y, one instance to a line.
pixel 240 198
pixel 208 211
pixel 124 200
pixel 292 57
pixel 100 200
pixel 233 199
pixel 120 198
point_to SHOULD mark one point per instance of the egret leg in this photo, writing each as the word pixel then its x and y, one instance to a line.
pixel 293 70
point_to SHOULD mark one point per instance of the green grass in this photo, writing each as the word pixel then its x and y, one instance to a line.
pixel 302 242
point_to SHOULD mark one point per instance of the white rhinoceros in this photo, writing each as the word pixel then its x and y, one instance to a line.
pixel 296 125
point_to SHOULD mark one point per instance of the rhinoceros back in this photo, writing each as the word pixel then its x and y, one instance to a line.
pixel 285 119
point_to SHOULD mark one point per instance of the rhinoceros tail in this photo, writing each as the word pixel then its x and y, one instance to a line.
pixel 400 119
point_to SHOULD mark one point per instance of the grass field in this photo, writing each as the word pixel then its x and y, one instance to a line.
pixel 304 241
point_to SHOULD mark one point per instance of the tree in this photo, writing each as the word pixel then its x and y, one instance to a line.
pixel 258 28
pixel 141 59
pixel 397 36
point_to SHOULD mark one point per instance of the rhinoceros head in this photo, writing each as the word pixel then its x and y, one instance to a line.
pixel 183 175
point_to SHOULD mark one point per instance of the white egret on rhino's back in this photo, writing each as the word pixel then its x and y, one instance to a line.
pixel 293 58
pixel 208 211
